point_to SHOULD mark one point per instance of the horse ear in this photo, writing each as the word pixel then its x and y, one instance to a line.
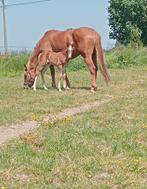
pixel 25 67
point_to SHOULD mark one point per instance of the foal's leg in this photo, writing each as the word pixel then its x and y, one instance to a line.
pixel 59 78
pixel 64 77
pixel 66 84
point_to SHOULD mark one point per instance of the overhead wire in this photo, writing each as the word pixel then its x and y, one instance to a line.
pixel 25 3
pixel 19 4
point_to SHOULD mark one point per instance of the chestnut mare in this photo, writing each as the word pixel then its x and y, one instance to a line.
pixel 85 42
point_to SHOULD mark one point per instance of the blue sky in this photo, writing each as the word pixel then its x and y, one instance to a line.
pixel 26 24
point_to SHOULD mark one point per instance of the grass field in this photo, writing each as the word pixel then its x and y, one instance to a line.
pixel 17 104
pixel 103 148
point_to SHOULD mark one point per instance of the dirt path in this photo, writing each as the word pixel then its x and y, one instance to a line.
pixel 14 131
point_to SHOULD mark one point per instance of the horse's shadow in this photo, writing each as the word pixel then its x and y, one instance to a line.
pixel 53 88
pixel 81 88
pixel 71 88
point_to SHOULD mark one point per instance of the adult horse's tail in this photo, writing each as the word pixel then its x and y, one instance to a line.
pixel 100 55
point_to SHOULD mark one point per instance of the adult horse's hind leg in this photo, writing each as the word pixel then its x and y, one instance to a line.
pixel 94 59
pixel 92 69
pixel 43 80
pixel 34 85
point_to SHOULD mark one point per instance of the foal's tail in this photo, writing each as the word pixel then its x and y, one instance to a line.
pixel 100 55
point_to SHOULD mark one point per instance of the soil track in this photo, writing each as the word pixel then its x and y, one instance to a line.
pixel 13 131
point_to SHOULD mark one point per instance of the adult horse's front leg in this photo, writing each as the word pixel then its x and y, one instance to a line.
pixel 59 78
pixel 43 81
pixel 67 81
pixel 52 70
pixel 93 71
pixel 34 85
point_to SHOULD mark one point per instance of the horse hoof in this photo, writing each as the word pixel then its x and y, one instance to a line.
pixel 60 90
pixel 67 88
pixel 53 85
pixel 92 90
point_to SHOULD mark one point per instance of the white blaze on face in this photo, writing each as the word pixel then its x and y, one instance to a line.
pixel 70 50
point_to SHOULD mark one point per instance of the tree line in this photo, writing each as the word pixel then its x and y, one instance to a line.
pixel 128 21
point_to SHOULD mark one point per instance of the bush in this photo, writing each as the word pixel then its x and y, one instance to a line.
pixel 77 64
pixel 124 57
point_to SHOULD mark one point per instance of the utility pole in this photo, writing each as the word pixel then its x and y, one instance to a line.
pixel 4 28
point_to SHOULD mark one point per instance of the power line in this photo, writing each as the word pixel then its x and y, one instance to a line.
pixel 5 28
pixel 4 17
pixel 19 47
pixel 25 3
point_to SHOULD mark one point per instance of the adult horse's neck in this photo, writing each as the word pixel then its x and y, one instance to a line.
pixel 33 60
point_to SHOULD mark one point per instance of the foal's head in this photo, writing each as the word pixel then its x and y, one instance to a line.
pixel 29 78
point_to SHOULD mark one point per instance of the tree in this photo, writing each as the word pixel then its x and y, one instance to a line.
pixel 128 21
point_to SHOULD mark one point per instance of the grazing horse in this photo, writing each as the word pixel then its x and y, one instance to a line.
pixel 46 59
pixel 85 41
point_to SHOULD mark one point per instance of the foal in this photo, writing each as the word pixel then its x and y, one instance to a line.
pixel 59 59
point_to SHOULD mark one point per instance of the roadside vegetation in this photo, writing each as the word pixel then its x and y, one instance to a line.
pixel 120 57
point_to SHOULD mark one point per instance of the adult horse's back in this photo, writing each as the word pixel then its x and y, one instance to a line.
pixel 88 43
pixel 56 40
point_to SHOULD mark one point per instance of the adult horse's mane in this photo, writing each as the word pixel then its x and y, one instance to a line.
pixel 32 62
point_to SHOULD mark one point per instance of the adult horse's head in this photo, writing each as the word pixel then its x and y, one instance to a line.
pixel 29 78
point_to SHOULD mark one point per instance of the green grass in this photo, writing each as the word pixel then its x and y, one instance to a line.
pixel 101 149
pixel 17 104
